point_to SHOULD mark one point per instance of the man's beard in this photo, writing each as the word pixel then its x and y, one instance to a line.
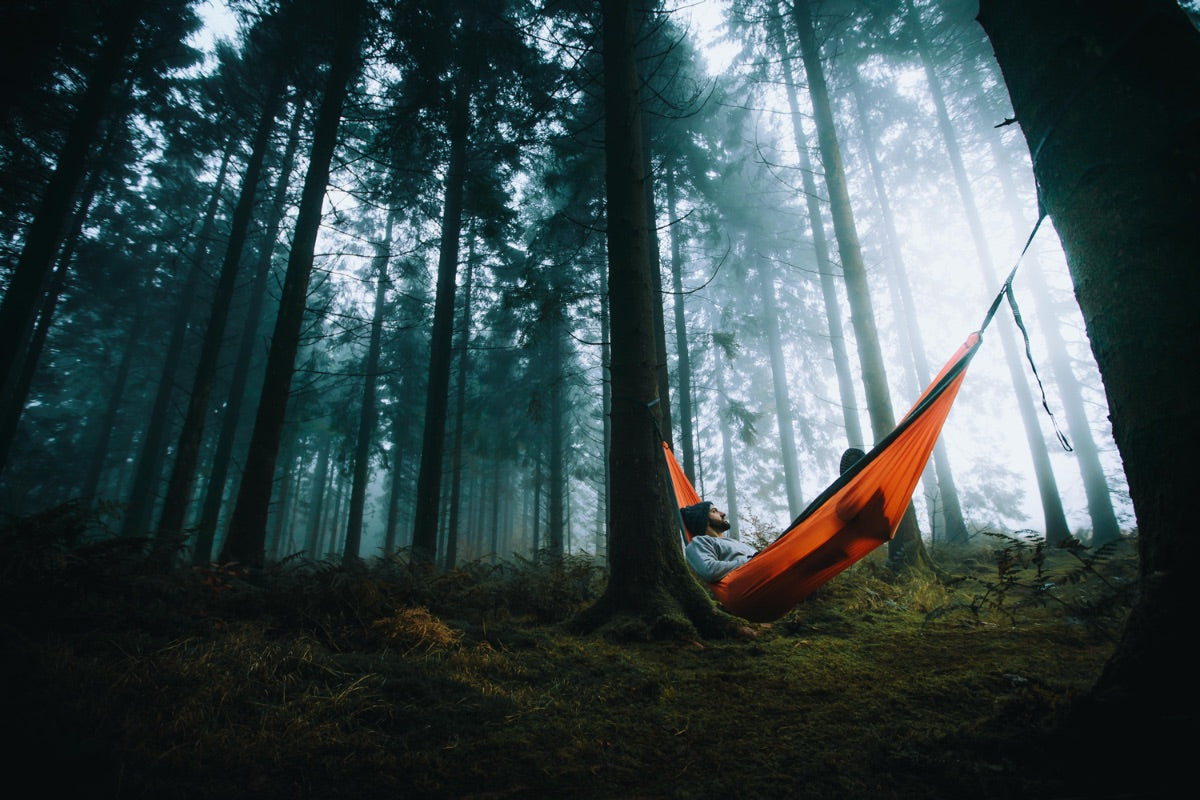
pixel 720 525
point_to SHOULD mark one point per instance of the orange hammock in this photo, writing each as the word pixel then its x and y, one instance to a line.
pixel 856 514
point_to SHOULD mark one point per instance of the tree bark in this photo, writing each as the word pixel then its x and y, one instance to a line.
pixel 682 352
pixel 816 224
pixel 393 504
pixel 149 465
pixel 14 393
pixel 1095 485
pixel 906 546
pixel 942 485
pixel 367 413
pixel 1107 95
pixel 214 491
pixel 21 301
pixel 648 580
pixel 557 478
pixel 112 409
pixel 1054 518
pixel 727 463
pixel 248 524
pixel 429 479
pixel 783 397
pixel 460 409
pixel 316 503
pixel 187 451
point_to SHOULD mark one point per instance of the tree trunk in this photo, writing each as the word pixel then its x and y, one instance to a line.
pixel 682 351
pixel 1052 509
pixel 833 308
pixel 393 502
pixel 112 410
pixel 248 524
pixel 316 503
pixel 606 406
pixel 460 407
pixel 648 580
pixel 1095 485
pixel 783 397
pixel 14 393
pixel 214 491
pixel 367 414
pixel 538 478
pixel 493 525
pixel 429 479
pixel 557 477
pixel 660 323
pixel 727 462
pixel 289 481
pixel 149 465
pixel 187 452
pixel 955 528
pixel 906 546
pixel 1107 97
pixel 21 301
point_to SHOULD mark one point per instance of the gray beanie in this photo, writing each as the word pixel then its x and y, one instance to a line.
pixel 695 518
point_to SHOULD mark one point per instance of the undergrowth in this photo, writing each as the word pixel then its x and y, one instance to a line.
pixel 385 678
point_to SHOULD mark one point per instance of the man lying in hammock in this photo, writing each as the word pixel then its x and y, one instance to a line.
pixel 709 552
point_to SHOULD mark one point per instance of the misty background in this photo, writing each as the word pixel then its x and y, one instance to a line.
pixel 943 202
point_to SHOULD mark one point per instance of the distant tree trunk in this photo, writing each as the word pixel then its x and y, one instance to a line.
pixel 149 465
pixel 557 478
pixel 460 406
pixel 214 492
pixel 1095 485
pixel 21 299
pixel 783 396
pixel 327 528
pixel 367 414
pixel 187 451
pixel 682 354
pixel 112 408
pixel 248 524
pixel 1054 517
pixel 538 479
pixel 14 394
pixel 393 504
pixel 1107 97
pixel 648 579
pixel 429 479
pixel 289 480
pixel 316 502
pixel 606 406
pixel 493 525
pixel 833 308
pixel 906 546
pixel 727 463
pixel 944 489
pixel 337 515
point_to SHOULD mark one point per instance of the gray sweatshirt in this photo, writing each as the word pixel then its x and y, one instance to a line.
pixel 712 557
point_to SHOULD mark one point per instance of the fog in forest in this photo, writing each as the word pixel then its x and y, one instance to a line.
pixel 120 344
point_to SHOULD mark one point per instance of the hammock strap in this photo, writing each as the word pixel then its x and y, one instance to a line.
pixel 1006 292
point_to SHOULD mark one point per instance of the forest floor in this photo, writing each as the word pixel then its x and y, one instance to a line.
pixel 317 680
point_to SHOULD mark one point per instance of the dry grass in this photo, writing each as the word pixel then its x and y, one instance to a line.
pixel 383 680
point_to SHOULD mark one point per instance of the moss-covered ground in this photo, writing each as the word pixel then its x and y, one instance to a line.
pixel 379 680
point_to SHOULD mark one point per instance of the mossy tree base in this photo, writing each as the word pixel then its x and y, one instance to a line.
pixel 677 608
